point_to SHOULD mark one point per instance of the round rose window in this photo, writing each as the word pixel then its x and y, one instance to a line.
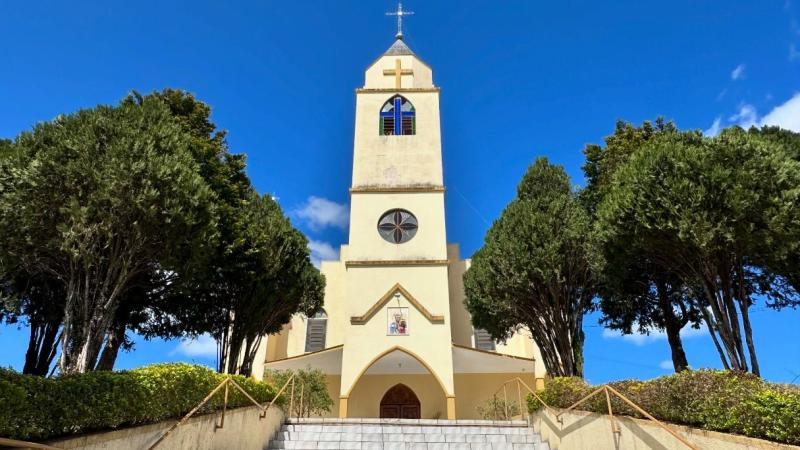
pixel 397 226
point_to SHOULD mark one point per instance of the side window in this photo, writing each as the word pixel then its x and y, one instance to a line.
pixel 316 328
pixel 398 117
pixel 483 340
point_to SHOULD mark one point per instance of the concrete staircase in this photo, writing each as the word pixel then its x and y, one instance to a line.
pixel 406 434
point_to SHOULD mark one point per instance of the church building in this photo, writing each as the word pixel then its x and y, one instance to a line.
pixel 394 338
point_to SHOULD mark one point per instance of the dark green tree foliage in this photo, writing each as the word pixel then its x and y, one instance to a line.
pixel 274 279
pixel 636 293
pixel 721 214
pixel 95 199
pixel 315 399
pixel 259 272
pixel 534 270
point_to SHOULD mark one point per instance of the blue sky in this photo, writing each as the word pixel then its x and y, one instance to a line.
pixel 519 79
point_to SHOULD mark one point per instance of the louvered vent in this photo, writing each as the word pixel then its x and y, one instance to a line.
pixel 483 340
pixel 315 332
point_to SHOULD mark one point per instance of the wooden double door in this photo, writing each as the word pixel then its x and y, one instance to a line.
pixel 400 402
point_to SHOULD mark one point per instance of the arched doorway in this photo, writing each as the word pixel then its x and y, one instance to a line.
pixel 400 402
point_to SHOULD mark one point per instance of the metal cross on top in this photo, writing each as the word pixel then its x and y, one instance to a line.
pixel 400 13
pixel 397 73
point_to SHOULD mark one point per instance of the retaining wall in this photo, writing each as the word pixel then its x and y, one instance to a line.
pixel 590 431
pixel 243 430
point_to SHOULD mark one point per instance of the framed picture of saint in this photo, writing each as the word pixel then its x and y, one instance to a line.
pixel 397 319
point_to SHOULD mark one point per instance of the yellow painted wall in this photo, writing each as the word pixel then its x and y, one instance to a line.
pixel 367 244
pixel 430 342
pixel 365 399
pixel 474 389
pixel 460 322
pixel 421 78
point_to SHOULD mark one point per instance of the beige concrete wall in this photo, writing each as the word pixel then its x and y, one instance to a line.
pixel 429 342
pixel 333 382
pixel 422 76
pixel 243 430
pixel 366 244
pixel 587 431
pixel 366 396
pixel 394 161
pixel 475 389
pixel 460 320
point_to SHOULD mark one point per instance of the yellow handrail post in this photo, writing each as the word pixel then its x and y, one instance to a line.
pixel 505 401
pixel 291 398
pixel 224 405
pixel 519 399
pixel 646 414
pixel 189 414
pixel 302 391
pixel 614 427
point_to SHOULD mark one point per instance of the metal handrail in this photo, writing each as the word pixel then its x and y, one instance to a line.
pixel 25 444
pixel 608 391
pixel 230 381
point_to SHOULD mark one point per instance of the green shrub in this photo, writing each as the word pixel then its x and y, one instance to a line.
pixel 498 409
pixel 35 408
pixel 723 401
pixel 315 397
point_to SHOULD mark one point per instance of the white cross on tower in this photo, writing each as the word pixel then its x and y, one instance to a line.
pixel 400 13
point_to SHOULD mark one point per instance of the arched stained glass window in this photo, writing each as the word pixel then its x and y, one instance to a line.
pixel 398 117
pixel 397 226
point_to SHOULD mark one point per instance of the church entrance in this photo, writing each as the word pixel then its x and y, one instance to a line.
pixel 400 402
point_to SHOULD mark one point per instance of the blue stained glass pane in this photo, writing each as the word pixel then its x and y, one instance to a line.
pixel 398 114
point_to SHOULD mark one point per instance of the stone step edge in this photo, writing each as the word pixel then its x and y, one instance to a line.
pixel 430 422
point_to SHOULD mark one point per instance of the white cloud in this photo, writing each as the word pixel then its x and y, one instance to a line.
pixel 666 365
pixel 738 72
pixel 746 117
pixel 203 346
pixel 794 53
pixel 786 115
pixel 321 213
pixel 322 251
pixel 713 130
pixel 640 340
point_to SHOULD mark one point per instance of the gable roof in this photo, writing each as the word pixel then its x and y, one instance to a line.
pixel 399 47
pixel 364 318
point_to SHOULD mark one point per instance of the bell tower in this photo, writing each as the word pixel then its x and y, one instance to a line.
pixel 397 253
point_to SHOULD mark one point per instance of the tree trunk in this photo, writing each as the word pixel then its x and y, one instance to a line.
pixel 42 347
pixel 114 341
pixel 672 326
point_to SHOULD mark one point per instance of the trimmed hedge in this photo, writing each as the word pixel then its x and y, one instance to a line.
pixel 723 401
pixel 35 408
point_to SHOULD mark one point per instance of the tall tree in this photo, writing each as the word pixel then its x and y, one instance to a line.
pixel 258 274
pixel 97 198
pixel 156 296
pixel 637 295
pixel 713 212
pixel 534 270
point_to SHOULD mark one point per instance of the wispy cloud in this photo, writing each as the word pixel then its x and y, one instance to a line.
pixel 666 365
pixel 203 346
pixel 640 340
pixel 715 127
pixel 738 72
pixel 322 251
pixel 794 53
pixel 746 117
pixel 319 213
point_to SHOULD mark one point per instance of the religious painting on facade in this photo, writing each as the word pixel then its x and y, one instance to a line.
pixel 397 321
